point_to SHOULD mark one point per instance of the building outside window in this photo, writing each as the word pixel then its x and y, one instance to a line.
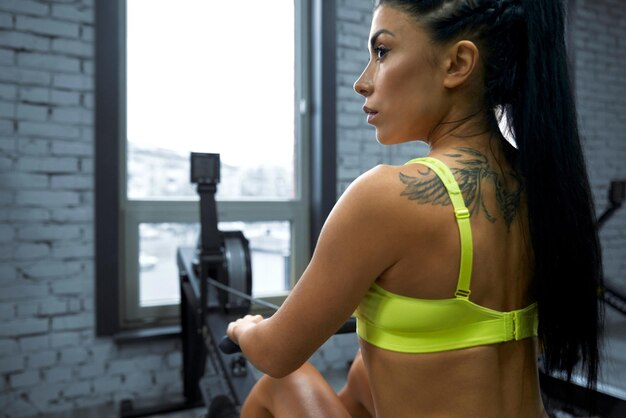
pixel 216 77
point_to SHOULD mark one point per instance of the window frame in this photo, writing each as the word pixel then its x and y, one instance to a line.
pixel 117 219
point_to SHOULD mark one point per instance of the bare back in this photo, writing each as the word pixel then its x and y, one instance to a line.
pixel 498 380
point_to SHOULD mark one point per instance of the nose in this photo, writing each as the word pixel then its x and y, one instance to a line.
pixel 363 85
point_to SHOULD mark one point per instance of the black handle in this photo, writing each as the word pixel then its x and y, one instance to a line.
pixel 227 346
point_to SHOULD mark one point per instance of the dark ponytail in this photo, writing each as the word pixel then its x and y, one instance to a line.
pixel 568 264
pixel 525 60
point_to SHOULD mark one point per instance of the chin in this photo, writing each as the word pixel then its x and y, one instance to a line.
pixel 389 138
pixel 382 141
pixel 385 137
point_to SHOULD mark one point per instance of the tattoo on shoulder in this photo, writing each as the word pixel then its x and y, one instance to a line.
pixel 472 176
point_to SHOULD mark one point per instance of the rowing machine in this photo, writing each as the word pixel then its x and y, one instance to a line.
pixel 223 256
pixel 216 287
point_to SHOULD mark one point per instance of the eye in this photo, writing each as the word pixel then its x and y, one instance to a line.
pixel 380 52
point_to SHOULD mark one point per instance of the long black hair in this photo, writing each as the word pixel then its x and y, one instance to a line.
pixel 526 73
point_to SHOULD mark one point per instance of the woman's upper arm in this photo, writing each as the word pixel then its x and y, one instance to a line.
pixel 357 244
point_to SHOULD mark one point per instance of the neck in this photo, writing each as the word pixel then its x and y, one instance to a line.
pixel 468 128
pixel 474 131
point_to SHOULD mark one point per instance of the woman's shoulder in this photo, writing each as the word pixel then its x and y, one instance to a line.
pixel 389 191
pixel 380 182
pixel 390 178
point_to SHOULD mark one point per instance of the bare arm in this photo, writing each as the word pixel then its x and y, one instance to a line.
pixel 357 244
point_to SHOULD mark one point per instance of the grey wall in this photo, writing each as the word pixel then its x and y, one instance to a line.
pixel 357 149
pixel 50 360
pixel 600 44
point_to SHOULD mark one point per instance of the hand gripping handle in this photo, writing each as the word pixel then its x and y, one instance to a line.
pixel 227 346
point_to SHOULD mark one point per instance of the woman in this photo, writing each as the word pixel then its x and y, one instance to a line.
pixel 455 263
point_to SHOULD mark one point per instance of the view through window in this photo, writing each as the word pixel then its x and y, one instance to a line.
pixel 216 77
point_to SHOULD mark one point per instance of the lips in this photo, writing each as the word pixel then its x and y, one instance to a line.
pixel 371 113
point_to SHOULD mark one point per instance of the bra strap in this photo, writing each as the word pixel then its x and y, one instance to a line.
pixel 462 215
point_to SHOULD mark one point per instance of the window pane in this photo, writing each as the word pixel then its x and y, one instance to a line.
pixel 158 272
pixel 158 276
pixel 208 85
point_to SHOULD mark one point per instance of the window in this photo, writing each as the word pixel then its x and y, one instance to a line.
pixel 198 76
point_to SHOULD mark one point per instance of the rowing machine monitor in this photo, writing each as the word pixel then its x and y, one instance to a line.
pixel 223 256
pixel 205 168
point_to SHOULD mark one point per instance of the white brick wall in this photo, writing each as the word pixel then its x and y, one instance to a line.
pixel 50 360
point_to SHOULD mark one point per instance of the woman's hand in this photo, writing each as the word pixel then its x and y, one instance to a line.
pixel 236 329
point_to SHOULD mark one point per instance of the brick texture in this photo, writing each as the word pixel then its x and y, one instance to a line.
pixel 50 361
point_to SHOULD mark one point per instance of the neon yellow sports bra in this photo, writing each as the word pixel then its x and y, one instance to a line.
pixel 400 323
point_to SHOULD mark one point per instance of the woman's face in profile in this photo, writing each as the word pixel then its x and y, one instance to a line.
pixel 403 82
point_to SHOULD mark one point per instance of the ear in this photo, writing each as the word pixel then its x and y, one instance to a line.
pixel 461 61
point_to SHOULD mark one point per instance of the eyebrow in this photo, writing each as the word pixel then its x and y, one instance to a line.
pixel 377 34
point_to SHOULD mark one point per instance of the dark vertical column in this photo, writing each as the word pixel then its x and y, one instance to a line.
pixel 193 348
pixel 323 113
pixel 107 164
